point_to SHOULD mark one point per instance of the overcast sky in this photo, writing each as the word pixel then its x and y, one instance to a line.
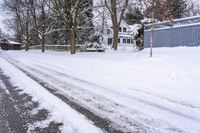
pixel 2 26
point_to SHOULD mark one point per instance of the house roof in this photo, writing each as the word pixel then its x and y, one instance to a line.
pixel 13 42
pixel 134 28
pixel 9 42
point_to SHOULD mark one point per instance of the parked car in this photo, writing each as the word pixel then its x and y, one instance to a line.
pixel 96 44
pixel 93 46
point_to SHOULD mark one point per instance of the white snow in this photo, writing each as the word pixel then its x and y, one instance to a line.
pixel 13 42
pixel 61 112
pixel 159 94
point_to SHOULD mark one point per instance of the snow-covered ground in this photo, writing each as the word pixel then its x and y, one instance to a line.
pixel 138 93
pixel 58 109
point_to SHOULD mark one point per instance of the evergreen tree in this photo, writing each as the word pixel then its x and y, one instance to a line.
pixel 80 20
pixel 133 16
pixel 86 27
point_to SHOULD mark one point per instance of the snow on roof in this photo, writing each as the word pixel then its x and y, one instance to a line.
pixel 13 42
pixel 180 20
pixel 134 28
pixel 176 26
pixel 126 35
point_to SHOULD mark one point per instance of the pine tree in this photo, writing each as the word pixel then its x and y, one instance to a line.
pixel 77 20
pixel 86 27
pixel 133 16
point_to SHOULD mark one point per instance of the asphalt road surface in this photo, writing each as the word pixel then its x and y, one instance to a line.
pixel 16 110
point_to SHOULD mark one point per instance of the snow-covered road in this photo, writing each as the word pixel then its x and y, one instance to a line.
pixel 73 121
pixel 134 92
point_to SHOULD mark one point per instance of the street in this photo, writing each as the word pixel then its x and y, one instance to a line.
pixel 99 93
pixel 18 111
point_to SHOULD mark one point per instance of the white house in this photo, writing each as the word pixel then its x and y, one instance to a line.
pixel 103 26
pixel 126 37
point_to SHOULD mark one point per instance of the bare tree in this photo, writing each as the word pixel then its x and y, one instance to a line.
pixel 69 10
pixel 19 10
pixel 194 8
pixel 163 9
pixel 116 9
pixel 34 19
pixel 41 23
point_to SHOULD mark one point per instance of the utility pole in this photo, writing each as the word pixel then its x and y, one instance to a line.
pixel 152 29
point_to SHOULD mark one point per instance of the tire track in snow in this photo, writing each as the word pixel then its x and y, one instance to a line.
pixel 103 123
pixel 154 104
pixel 99 86
pixel 134 98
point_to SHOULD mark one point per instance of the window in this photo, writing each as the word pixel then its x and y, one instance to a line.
pixel 120 29
pixel 118 40
pixel 124 29
pixel 109 41
pixel 124 40
pixel 108 31
pixel 132 41
pixel 128 41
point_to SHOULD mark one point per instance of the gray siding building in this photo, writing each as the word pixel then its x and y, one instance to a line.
pixel 182 32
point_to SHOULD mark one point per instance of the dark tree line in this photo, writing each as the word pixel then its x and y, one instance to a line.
pixel 38 22
pixel 69 22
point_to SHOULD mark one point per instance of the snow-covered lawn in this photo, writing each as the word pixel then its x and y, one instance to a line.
pixel 159 94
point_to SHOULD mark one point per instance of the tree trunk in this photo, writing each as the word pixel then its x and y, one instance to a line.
pixel 27 31
pixel 72 40
pixel 116 18
pixel 27 40
pixel 43 28
pixel 115 38
pixel 26 46
pixel 43 43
